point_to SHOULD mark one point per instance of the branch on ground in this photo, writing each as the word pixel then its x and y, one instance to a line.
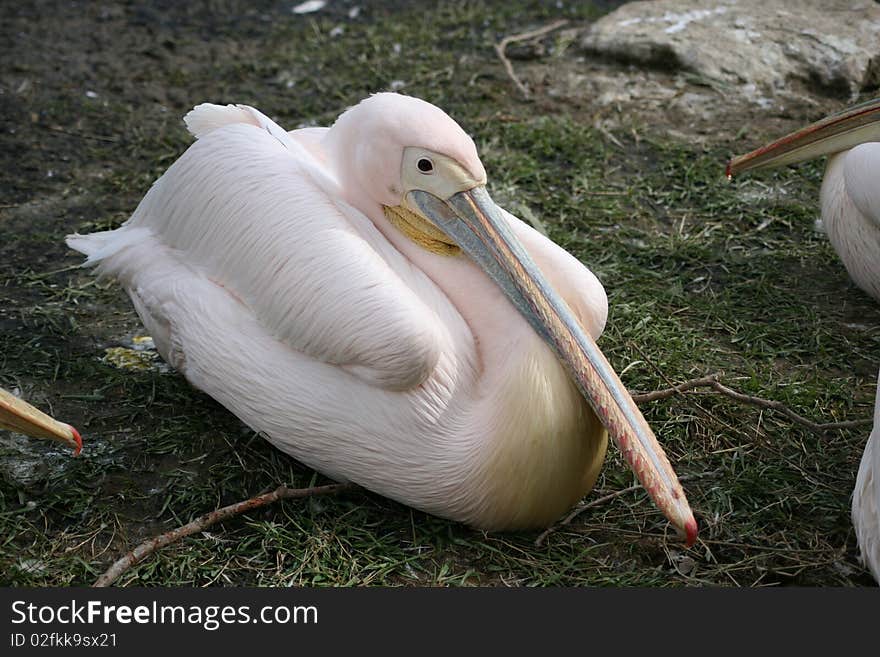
pixel 711 381
pixel 501 48
pixel 201 523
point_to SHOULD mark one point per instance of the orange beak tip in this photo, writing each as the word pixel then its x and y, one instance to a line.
pixel 79 441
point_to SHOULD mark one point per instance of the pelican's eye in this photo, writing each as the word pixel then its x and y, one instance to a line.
pixel 425 165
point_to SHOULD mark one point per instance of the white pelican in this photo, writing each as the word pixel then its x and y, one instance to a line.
pixel 850 200
pixel 354 294
pixel 850 195
pixel 19 416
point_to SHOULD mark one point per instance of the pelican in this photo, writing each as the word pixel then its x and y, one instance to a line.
pixel 20 417
pixel 354 294
pixel 850 199
pixel 850 194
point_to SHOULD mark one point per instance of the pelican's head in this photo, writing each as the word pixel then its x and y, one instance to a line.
pixel 389 145
pixel 414 160
pixel 19 416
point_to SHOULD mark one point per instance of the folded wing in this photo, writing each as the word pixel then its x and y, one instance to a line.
pixel 249 208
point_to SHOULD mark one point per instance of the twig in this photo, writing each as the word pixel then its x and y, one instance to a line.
pixel 651 363
pixel 501 47
pixel 605 498
pixel 701 382
pixel 203 522
pixel 607 134
pixel 711 381
pixel 578 510
pixel 782 408
pixel 83 135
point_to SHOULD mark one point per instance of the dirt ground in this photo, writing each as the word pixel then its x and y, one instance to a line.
pixel 623 166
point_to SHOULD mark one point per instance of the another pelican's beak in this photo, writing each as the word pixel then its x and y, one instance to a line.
pixel 838 132
pixel 19 416
pixel 473 220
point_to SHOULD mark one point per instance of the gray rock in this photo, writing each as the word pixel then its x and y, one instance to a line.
pixel 759 45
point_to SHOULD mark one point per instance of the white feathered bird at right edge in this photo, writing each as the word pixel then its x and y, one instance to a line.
pixel 850 195
pixel 850 199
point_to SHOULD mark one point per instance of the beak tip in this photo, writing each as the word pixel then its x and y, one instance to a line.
pixel 79 442
pixel 690 530
pixel 728 170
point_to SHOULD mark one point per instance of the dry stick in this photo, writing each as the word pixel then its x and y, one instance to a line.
pixel 782 408
pixel 525 36
pixel 84 135
pixel 574 514
pixel 711 381
pixel 201 523
pixel 701 382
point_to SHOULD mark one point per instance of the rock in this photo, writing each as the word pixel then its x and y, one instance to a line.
pixel 761 46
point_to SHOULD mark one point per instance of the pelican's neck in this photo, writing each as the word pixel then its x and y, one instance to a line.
pixel 477 299
pixel 493 321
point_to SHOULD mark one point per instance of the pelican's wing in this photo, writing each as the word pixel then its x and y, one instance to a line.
pixel 250 209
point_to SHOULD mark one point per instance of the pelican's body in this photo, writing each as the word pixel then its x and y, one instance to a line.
pixel 866 498
pixel 850 199
pixel 282 274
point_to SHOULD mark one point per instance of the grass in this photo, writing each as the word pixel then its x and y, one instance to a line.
pixel 701 275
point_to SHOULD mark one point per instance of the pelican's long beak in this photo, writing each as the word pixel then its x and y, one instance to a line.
pixel 838 132
pixel 19 416
pixel 473 220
